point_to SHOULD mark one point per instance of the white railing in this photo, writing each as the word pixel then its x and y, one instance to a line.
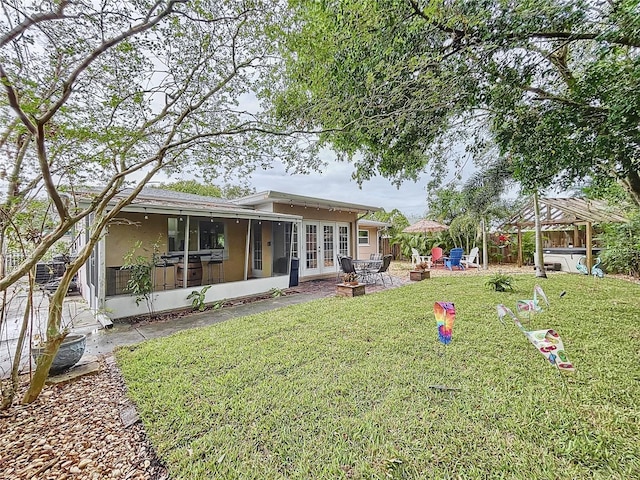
pixel 12 260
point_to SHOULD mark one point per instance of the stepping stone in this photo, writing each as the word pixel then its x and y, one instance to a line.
pixel 80 370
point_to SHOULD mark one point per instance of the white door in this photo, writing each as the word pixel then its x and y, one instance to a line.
pixel 311 248
pixel 320 247
pixel 256 230
pixel 328 247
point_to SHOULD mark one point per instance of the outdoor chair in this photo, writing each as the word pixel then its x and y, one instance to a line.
pixel 347 265
pixel 375 256
pixel 340 272
pixel 437 256
pixel 416 258
pixel 454 259
pixel 384 268
pixel 471 260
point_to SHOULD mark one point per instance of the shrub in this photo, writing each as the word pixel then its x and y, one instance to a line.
pixel 500 282
pixel 621 242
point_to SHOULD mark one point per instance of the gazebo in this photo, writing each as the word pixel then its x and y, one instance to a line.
pixel 565 213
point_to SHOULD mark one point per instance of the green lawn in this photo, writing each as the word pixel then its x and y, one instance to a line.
pixel 339 388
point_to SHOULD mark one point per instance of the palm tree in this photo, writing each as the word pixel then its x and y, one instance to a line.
pixel 482 194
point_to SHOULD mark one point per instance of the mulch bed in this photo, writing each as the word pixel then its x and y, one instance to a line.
pixel 75 431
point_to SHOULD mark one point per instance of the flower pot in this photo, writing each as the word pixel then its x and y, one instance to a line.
pixel 70 352
pixel 347 290
pixel 417 275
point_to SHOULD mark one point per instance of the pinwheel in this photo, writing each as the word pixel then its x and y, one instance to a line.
pixel 547 342
pixel 532 306
pixel 445 313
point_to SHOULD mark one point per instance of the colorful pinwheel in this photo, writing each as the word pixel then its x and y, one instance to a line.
pixel 547 342
pixel 445 313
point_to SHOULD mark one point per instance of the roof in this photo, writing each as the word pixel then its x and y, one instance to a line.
pixel 567 211
pixel 271 196
pixel 372 223
pixel 159 200
pixel 425 226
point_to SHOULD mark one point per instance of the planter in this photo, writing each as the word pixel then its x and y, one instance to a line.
pixel 417 275
pixel 347 290
pixel 70 352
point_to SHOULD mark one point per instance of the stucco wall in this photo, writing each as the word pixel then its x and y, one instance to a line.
pixel 365 250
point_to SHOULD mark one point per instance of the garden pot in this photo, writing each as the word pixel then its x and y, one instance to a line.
pixel 417 275
pixel 346 290
pixel 70 352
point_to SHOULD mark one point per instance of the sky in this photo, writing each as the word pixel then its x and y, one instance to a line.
pixel 335 183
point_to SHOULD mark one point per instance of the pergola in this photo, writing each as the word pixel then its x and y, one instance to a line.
pixel 564 212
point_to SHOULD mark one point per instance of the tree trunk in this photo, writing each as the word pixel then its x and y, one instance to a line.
pixel 632 184
pixel 54 337
pixel 485 251
pixel 539 260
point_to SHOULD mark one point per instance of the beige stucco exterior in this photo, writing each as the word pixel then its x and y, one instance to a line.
pixel 313 232
pixel 364 250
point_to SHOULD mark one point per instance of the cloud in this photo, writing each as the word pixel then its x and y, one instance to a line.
pixel 335 183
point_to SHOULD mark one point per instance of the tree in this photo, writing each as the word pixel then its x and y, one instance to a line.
pixel 482 197
pixel 109 94
pixel 395 217
pixel 554 83
pixel 193 186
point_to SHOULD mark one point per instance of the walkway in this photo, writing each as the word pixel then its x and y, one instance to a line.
pixel 104 341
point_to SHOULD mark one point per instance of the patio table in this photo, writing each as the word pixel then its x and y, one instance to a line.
pixel 365 268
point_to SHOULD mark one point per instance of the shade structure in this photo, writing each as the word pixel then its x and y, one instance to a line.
pixel 425 226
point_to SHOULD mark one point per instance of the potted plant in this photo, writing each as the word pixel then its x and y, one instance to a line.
pixel 70 352
pixel 420 272
pixel 350 278
pixel 350 287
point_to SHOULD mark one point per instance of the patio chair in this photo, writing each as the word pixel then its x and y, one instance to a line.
pixel 340 272
pixel 416 258
pixel 347 265
pixel 437 256
pixel 384 268
pixel 375 256
pixel 454 258
pixel 471 260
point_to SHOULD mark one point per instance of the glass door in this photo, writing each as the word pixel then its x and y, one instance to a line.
pixel 256 228
pixel 311 248
pixel 328 247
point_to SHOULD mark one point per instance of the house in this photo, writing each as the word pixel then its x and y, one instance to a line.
pixel 246 246
pixel 369 236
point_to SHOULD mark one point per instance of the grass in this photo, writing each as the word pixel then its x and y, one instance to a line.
pixel 339 388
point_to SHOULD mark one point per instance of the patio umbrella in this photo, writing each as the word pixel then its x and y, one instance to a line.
pixel 425 226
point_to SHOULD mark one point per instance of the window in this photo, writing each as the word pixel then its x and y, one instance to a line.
pixel 363 237
pixel 211 235
pixel 343 241
pixel 203 234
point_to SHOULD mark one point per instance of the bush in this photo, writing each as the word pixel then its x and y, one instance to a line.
pixel 500 282
pixel 621 242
